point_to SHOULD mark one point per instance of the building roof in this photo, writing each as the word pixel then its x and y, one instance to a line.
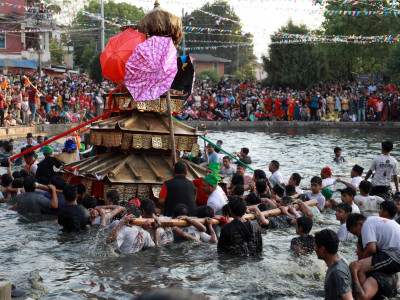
pixel 27 64
pixel 208 58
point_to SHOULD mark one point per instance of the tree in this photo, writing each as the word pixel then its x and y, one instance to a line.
pixel 223 9
pixel 57 53
pixel 345 60
pixel 247 73
pixel 393 64
pixel 95 69
pixel 115 12
pixel 297 65
pixel 209 74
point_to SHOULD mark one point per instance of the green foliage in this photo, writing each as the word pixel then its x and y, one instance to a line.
pixel 95 69
pixel 115 12
pixel 393 64
pixel 295 66
pixel 347 59
pixel 247 73
pixel 57 53
pixel 206 21
pixel 209 74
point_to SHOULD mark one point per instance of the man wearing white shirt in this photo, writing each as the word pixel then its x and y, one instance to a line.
pixel 355 175
pixel 276 177
pixel 217 198
pixel 385 167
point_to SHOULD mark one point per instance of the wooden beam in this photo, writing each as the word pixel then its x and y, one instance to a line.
pixel 159 177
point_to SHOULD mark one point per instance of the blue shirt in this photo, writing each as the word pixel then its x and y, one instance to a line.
pixel 213 157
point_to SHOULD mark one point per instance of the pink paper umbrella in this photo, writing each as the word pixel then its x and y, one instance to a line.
pixel 151 69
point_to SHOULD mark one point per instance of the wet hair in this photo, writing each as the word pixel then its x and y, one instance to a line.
pixel 89 202
pixel 23 173
pixel 306 241
pixel 226 157
pixel 328 239
pixel 352 220
pixel 317 180
pixel 261 186
pixel 29 184
pixel 305 223
pixel 345 206
pixel 240 164
pixel 279 190
pixel 287 200
pixel 148 206
pixel 297 178
pixel 29 154
pixel 253 199
pixel 17 183
pixel 16 174
pixel 1 143
pixel 238 190
pixel 180 168
pixel 114 197
pixel 180 210
pixel 387 146
pixel 6 144
pixel 70 193
pixel 390 207
pixel 58 182
pixel 365 186
pixel 290 190
pixel 396 196
pixel 245 150
pixel 275 164
pixel 259 174
pixel 337 149
pixel 219 141
pixel 8 148
pixel 205 212
pixel 237 179
pixel 6 180
pixel 303 197
pixel 262 207
pixel 170 294
pixel 133 210
pixel 237 205
pixel 225 210
pixel 80 188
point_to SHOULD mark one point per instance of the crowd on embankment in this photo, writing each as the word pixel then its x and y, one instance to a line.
pixel 230 100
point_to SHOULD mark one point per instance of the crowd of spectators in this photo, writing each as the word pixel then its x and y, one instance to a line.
pixel 50 100
pixel 330 102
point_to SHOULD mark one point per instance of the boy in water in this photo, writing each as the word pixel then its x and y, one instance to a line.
pixel 347 196
pixel 338 155
pixel 355 174
pixel 388 210
pixel 342 212
pixel 304 243
pixel 315 193
pixel 364 201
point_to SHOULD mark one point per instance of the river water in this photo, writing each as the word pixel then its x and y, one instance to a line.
pixel 50 265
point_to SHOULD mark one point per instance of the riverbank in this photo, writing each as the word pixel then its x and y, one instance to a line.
pixel 17 132
pixel 224 125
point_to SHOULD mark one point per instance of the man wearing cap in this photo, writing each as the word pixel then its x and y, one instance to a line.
pixel 201 197
pixel 217 198
pixel 178 190
pixel 355 175
pixel 327 180
pixel 45 169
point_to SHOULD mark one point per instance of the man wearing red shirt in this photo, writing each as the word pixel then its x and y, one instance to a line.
pixel 32 99
pixel 2 103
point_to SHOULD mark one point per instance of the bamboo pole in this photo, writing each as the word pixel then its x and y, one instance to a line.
pixel 183 223
pixel 62 134
pixel 171 129
pixel 219 148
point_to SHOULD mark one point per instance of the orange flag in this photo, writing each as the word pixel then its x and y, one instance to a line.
pixel 27 82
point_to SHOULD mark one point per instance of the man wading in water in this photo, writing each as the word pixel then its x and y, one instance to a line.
pixel 241 236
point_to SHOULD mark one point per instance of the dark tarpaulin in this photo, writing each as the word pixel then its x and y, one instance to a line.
pixel 184 78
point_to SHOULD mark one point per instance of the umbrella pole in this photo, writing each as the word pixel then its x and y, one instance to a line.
pixel 171 129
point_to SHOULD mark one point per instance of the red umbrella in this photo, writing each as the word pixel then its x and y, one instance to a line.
pixel 119 48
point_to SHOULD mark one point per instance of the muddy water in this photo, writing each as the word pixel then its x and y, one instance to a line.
pixel 50 265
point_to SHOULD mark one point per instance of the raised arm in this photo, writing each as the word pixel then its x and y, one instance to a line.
pixel 208 222
pixel 54 198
